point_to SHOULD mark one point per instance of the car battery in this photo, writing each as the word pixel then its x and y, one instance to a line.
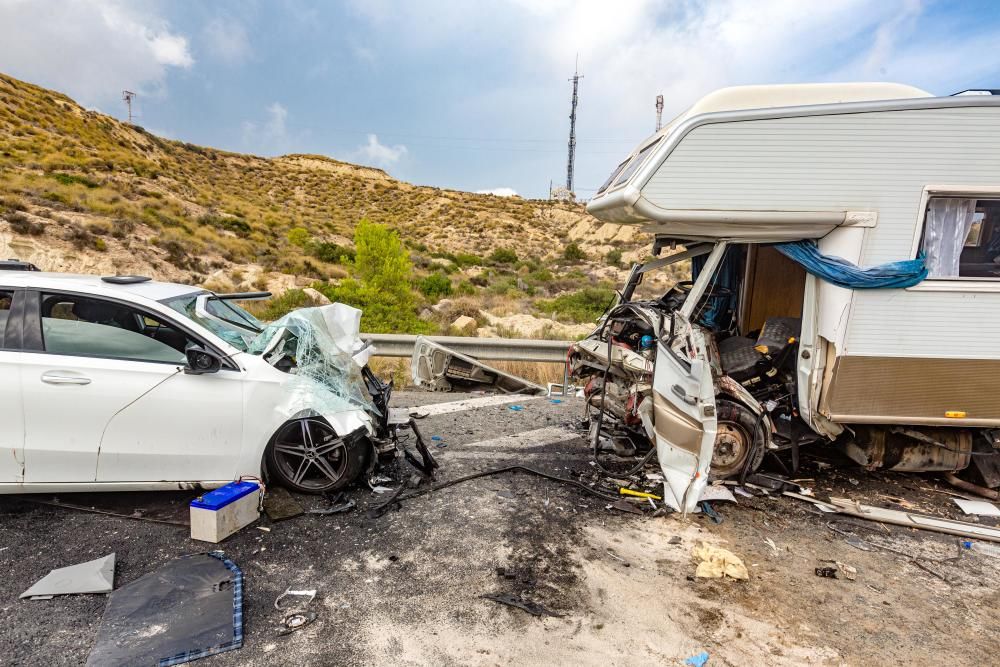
pixel 218 514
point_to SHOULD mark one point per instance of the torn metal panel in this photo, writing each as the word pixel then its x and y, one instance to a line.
pixel 95 576
pixel 438 368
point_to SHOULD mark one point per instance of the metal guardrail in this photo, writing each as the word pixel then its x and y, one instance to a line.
pixel 490 349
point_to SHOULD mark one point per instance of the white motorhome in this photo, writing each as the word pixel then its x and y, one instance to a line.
pixel 759 354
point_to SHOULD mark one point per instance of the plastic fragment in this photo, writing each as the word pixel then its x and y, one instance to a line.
pixel 697 660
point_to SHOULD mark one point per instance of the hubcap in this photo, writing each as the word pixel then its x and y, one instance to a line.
pixel 310 454
pixel 732 445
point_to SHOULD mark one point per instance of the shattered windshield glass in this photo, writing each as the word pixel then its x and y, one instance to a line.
pixel 226 320
pixel 323 347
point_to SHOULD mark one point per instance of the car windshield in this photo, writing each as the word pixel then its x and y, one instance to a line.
pixel 221 316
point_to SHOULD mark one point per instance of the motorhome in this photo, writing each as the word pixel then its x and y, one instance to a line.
pixel 844 241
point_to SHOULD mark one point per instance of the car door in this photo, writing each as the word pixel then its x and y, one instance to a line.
pixel 684 416
pixel 11 409
pixel 89 374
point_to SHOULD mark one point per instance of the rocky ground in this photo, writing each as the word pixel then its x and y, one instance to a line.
pixel 405 588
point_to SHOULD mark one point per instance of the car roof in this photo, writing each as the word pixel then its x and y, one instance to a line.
pixel 149 289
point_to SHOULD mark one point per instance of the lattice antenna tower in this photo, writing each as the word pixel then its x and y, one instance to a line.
pixel 659 112
pixel 128 96
pixel 572 127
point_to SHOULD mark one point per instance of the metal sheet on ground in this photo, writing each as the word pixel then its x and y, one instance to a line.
pixel 188 609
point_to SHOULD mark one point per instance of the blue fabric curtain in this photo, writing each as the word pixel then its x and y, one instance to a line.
pixel 842 273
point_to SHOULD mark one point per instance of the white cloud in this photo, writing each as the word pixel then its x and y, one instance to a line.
pixel 378 154
pixel 226 39
pixel 499 192
pixel 269 136
pixel 90 50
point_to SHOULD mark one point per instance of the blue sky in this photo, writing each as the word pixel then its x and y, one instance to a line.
pixel 464 94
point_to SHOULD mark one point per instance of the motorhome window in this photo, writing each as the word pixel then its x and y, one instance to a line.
pixel 612 176
pixel 635 164
pixel 961 238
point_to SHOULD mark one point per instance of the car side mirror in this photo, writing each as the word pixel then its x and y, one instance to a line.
pixel 200 361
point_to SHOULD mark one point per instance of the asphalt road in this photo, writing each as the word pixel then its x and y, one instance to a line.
pixel 405 588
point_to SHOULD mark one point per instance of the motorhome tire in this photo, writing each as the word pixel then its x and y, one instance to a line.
pixel 739 437
pixel 308 456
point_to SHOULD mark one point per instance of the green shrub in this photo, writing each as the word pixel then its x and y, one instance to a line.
pixel 331 252
pixel 21 224
pixel 298 236
pixel 614 257
pixel 70 179
pixel 464 259
pixel 239 227
pixel 585 305
pixel 435 286
pixel 573 252
pixel 503 256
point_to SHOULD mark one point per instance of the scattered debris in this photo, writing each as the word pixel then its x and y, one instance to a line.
pixel 296 621
pixel 674 539
pixel 638 494
pixel 95 576
pixel 717 492
pixel 826 572
pixel 709 511
pixel 264 528
pixel 310 594
pixel 774 547
pixel 698 660
pixel 334 509
pixel 190 608
pixel 516 408
pixel 279 504
pixel 850 572
pixel 987 549
pixel 977 507
pixel 382 489
pixel 717 562
pixel 532 608
pixel 901 518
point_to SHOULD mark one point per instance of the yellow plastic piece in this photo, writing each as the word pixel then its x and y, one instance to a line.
pixel 638 494
pixel 955 414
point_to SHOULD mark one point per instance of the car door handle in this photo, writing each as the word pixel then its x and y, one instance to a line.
pixel 56 378
pixel 683 395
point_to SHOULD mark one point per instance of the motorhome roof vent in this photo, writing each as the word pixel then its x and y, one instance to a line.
pixel 125 280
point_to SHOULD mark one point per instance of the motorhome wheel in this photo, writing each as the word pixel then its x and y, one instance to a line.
pixel 735 441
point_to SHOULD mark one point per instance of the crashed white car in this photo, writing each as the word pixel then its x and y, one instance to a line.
pixel 123 383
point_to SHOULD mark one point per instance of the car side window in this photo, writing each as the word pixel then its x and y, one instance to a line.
pixel 6 298
pixel 91 327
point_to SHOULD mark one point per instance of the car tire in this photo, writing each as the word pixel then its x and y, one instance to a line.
pixel 740 437
pixel 308 456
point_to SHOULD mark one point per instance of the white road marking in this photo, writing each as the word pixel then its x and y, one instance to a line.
pixel 469 404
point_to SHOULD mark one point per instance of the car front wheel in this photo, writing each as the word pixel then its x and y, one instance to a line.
pixel 307 455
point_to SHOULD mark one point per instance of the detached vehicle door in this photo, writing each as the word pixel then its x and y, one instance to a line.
pixel 106 398
pixel 684 416
pixel 11 410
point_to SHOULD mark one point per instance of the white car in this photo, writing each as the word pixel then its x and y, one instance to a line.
pixel 123 383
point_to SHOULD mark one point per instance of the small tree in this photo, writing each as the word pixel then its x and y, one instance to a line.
pixel 435 286
pixel 573 252
pixel 298 236
pixel 503 256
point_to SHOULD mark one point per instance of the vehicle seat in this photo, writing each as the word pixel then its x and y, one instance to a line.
pixel 738 357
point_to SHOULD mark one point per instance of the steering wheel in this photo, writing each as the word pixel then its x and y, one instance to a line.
pixel 677 294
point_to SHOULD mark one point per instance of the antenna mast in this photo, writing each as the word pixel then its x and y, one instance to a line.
pixel 128 95
pixel 659 112
pixel 572 129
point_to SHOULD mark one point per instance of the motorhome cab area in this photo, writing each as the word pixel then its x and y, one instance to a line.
pixel 844 251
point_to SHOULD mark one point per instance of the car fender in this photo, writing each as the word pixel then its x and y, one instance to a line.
pixel 272 398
